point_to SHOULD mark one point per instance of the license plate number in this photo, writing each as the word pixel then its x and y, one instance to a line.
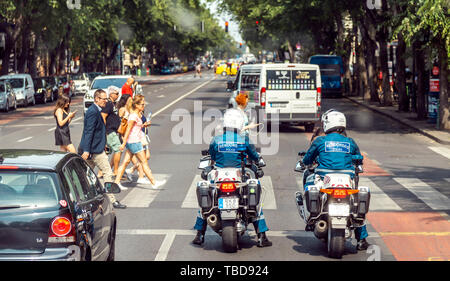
pixel 338 210
pixel 228 203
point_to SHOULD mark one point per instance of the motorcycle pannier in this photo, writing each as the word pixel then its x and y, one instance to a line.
pixel 254 194
pixel 363 201
pixel 204 195
pixel 312 197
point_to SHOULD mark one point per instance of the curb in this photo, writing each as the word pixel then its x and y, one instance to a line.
pixel 419 130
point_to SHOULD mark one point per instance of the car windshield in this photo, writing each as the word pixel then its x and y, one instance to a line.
pixel 63 79
pixel 22 189
pixel 16 82
pixel 77 77
pixel 106 82
pixel 2 88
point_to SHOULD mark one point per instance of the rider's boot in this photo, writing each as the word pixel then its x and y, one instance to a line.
pixel 362 245
pixel 263 241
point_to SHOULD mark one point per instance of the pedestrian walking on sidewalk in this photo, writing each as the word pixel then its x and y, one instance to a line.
pixel 63 117
pixel 132 140
pixel 93 141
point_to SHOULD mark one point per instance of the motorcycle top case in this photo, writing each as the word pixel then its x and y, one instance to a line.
pixel 204 195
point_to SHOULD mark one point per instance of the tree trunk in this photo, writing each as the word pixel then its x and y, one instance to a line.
pixel 444 111
pixel 25 49
pixel 421 80
pixel 368 36
pixel 382 36
pixel 400 81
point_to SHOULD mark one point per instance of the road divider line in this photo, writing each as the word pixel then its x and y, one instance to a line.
pixel 180 98
pixel 25 139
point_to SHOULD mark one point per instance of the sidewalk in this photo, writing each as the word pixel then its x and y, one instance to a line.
pixel 406 118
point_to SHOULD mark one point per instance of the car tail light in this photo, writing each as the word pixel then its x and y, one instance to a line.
pixel 8 167
pixel 339 193
pixel 227 187
pixel 61 230
pixel 319 97
pixel 263 97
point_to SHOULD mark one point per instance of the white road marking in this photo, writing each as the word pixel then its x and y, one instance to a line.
pixel 165 246
pixel 25 139
pixel 430 196
pixel 379 201
pixel 142 196
pixel 267 197
pixel 441 150
pixel 180 98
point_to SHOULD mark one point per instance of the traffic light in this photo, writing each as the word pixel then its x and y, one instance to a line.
pixel 257 26
pixel 240 45
pixel 226 26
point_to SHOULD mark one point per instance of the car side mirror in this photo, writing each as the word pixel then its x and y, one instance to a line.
pixel 112 187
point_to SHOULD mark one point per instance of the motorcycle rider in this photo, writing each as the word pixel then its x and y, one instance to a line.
pixel 334 153
pixel 223 155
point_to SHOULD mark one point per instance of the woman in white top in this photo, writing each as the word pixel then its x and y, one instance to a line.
pixel 132 141
pixel 242 101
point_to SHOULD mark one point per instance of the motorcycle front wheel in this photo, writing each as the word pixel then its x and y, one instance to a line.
pixel 336 243
pixel 229 237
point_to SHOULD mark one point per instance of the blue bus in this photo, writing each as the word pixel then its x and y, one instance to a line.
pixel 331 72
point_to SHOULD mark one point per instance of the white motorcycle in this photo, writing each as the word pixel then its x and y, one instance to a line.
pixel 332 207
pixel 229 198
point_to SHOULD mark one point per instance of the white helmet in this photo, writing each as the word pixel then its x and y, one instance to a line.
pixel 233 119
pixel 332 120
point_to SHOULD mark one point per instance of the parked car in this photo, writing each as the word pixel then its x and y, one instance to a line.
pixel 23 87
pixel 191 65
pixel 81 83
pixel 42 94
pixel 52 85
pixel 53 207
pixel 103 82
pixel 7 97
pixel 93 75
pixel 165 69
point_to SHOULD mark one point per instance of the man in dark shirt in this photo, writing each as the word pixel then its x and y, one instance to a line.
pixel 112 121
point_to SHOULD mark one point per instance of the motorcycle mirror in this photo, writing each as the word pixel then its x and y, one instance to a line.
pixel 205 152
pixel 299 167
pixel 302 153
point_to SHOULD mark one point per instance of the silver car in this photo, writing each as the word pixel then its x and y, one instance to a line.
pixel 7 97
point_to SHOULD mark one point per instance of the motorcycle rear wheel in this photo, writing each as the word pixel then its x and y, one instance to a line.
pixel 229 237
pixel 336 243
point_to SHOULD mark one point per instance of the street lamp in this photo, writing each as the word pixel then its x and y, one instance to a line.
pixel 144 69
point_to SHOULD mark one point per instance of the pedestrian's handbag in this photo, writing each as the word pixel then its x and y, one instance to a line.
pixel 123 127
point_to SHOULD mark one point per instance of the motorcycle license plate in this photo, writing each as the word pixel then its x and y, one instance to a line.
pixel 228 203
pixel 338 210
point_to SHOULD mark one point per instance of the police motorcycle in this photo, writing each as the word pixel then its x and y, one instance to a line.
pixel 333 206
pixel 230 198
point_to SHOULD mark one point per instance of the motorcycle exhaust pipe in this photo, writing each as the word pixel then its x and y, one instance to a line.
pixel 214 222
pixel 320 231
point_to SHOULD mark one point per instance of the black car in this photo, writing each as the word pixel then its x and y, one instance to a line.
pixel 53 207
pixel 42 92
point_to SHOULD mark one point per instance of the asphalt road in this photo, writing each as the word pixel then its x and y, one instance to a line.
pixel 408 175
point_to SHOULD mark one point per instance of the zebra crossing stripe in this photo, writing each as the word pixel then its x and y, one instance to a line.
pixel 379 201
pixel 142 196
pixel 430 196
pixel 441 150
pixel 267 197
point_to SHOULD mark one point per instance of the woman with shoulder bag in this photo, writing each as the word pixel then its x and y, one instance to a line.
pixel 132 140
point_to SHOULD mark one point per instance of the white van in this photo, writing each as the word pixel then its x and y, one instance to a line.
pixel 286 93
pixel 23 87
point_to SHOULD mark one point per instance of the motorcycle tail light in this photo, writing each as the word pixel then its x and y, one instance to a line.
pixel 339 193
pixel 227 187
